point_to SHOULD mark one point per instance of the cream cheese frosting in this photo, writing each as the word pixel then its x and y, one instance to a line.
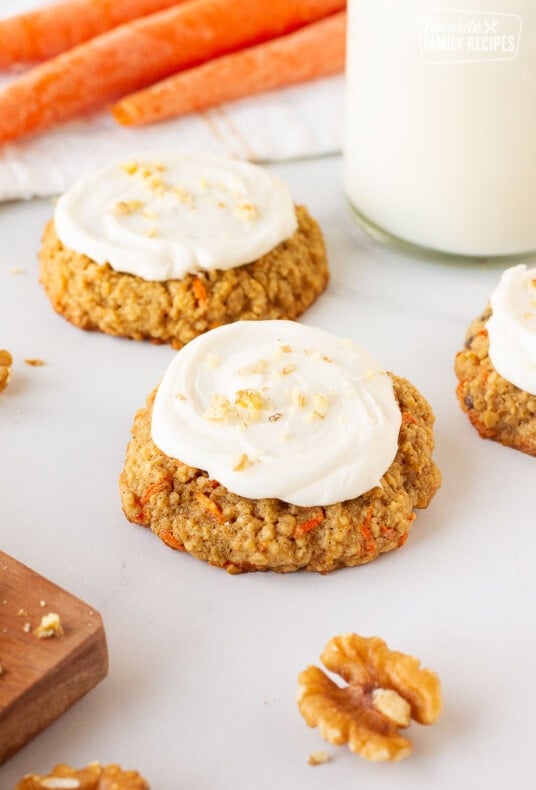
pixel 163 216
pixel 512 327
pixel 279 409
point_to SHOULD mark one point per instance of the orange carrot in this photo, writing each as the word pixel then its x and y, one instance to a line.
pixel 200 292
pixel 170 540
pixel 312 523
pixel 209 505
pixel 45 32
pixel 155 488
pixel 143 51
pixel 369 543
pixel 313 51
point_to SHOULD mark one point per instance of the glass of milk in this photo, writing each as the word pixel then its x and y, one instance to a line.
pixel 440 132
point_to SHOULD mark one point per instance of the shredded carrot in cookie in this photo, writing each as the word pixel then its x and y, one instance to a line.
pixel 307 526
pixel 170 540
pixel 209 506
pixel 366 532
pixel 199 290
pixel 402 539
pixel 155 488
pixel 408 418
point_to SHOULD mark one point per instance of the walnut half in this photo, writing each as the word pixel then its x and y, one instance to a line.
pixel 385 691
pixel 6 360
pixel 93 777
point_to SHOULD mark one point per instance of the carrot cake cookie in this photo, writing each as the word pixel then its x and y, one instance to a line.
pixel 166 247
pixel 274 445
pixel 497 367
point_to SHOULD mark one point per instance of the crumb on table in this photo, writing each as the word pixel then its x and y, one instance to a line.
pixel 319 758
pixel 35 362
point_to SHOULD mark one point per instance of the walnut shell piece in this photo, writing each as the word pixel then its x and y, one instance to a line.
pixel 385 690
pixel 93 777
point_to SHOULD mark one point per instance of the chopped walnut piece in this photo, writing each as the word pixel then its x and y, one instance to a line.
pixel 126 207
pixel 212 361
pixel 183 195
pixel 259 367
pixel 242 463
pixel 144 169
pixel 298 398
pixel 149 213
pixel 247 210
pixel 220 409
pixel 93 777
pixel 130 168
pixel 49 626
pixel 287 370
pixel 315 415
pixel 251 400
pixel 321 401
pixel 385 689
pixel 157 185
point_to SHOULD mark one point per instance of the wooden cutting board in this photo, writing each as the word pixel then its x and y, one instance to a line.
pixel 42 677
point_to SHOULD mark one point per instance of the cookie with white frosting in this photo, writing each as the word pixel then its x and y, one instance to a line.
pixel 273 445
pixel 497 367
pixel 165 247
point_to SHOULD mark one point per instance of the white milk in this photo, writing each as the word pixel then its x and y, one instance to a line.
pixel 440 143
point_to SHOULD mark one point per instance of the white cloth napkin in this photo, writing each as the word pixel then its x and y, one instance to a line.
pixel 293 123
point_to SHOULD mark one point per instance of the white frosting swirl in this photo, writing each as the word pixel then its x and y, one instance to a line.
pixel 279 409
pixel 163 216
pixel 512 328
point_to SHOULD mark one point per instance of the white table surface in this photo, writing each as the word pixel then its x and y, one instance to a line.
pixel 203 665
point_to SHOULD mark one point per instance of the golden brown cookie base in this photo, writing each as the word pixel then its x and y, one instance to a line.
pixel 190 512
pixel 498 409
pixel 280 284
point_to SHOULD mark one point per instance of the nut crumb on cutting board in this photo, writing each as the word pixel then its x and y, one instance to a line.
pixel 49 626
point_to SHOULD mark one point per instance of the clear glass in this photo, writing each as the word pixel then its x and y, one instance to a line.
pixel 440 129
